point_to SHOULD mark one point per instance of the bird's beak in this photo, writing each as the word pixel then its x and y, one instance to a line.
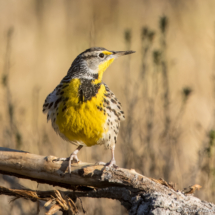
pixel 121 53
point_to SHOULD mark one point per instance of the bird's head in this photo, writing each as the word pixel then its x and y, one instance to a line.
pixel 94 61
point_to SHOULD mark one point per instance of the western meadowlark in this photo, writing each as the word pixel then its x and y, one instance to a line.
pixel 82 109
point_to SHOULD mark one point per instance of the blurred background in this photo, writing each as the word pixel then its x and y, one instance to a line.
pixel 167 88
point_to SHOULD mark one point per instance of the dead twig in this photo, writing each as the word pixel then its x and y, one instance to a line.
pixel 127 186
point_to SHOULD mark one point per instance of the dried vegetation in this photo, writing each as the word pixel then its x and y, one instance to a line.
pixel 167 88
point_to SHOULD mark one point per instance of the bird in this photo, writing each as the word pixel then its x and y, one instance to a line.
pixel 82 108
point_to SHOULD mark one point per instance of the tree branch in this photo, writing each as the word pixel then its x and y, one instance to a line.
pixel 139 194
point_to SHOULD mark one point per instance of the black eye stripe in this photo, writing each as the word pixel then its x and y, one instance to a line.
pixel 101 55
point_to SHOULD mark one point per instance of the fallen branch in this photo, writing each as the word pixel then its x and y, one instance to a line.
pixel 139 194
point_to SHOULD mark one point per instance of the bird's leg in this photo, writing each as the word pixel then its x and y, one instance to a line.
pixel 73 157
pixel 112 162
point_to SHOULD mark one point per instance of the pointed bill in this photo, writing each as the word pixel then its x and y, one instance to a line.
pixel 121 53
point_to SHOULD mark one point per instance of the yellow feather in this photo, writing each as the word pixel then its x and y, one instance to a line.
pixel 81 121
pixel 102 68
pixel 107 52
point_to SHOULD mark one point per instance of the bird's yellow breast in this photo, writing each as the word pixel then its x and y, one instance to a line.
pixel 81 121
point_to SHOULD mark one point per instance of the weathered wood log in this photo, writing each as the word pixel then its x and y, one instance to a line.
pixel 139 194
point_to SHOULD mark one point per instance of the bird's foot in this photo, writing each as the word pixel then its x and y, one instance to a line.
pixel 61 159
pixel 73 158
pixel 112 163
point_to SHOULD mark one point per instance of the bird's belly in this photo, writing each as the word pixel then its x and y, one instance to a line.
pixel 82 122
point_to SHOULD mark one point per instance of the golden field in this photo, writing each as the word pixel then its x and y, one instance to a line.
pixel 166 88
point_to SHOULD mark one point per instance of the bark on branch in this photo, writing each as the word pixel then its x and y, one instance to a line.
pixel 139 194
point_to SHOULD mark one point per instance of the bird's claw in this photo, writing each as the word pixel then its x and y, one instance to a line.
pixel 112 163
pixel 61 159
pixel 100 163
pixel 73 157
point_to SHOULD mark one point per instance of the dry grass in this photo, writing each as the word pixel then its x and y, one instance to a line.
pixel 166 88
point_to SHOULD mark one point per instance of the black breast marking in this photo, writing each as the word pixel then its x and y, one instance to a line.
pixel 87 90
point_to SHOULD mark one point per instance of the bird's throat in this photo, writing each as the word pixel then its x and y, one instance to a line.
pixel 102 68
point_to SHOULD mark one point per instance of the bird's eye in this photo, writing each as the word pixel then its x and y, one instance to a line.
pixel 101 55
